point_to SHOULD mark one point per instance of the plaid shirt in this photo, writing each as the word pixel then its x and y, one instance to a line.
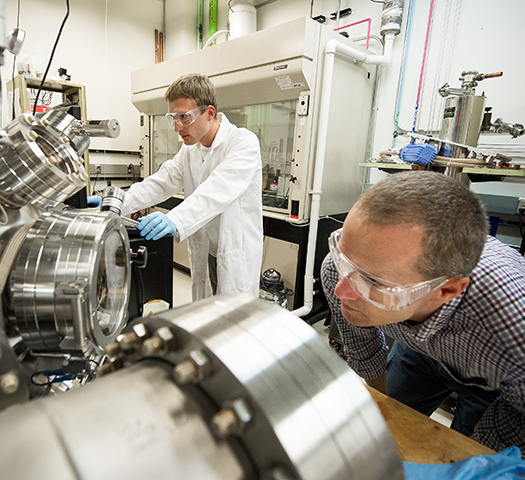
pixel 478 337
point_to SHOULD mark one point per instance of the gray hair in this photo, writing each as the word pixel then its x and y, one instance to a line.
pixel 453 217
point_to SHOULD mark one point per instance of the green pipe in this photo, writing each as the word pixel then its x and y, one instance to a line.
pixel 199 25
pixel 212 25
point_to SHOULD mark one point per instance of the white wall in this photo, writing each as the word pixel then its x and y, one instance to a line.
pixel 101 43
pixel 105 40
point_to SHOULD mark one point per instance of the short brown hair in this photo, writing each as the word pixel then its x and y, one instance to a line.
pixel 195 86
pixel 453 217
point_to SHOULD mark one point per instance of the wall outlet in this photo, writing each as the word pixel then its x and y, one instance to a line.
pixel 98 169
pixel 520 205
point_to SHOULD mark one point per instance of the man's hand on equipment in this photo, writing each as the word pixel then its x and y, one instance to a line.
pixel 156 225
pixel 94 201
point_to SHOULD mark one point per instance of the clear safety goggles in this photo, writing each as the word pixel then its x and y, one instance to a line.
pixel 380 293
pixel 185 119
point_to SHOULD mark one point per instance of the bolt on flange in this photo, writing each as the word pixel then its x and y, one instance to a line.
pixel 194 369
pixel 231 420
pixel 163 341
pixel 9 383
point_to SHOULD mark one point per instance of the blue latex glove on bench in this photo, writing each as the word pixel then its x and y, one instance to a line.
pixel 505 465
pixel 156 225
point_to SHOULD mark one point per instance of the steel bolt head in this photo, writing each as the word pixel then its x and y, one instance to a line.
pixel 140 330
pixel 28 119
pixel 113 349
pixel 241 410
pixel 72 177
pixel 225 423
pixel 195 368
pixel 165 333
pixel 9 383
pixel 185 372
pixel 231 420
pixel 105 369
pixel 152 346
pixel 168 339
pixel 32 135
pixel 198 357
pixel 128 340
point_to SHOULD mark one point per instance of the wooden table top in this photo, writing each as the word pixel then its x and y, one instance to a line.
pixel 421 439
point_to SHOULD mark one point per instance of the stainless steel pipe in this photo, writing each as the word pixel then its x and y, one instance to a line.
pixel 229 387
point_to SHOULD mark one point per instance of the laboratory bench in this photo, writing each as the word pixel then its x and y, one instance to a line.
pixel 423 440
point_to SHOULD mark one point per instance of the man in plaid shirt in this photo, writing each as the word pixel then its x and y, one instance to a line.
pixel 413 261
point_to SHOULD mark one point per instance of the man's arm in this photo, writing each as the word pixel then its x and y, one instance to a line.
pixel 239 163
pixel 156 188
pixel 503 424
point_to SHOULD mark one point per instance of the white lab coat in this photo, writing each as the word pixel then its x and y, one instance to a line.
pixel 222 207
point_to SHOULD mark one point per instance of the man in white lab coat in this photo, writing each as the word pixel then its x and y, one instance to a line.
pixel 219 167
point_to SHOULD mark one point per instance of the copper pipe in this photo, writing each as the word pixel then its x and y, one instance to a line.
pixel 482 76
pixel 156 46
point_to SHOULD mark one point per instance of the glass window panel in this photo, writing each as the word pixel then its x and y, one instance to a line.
pixel 274 125
pixel 165 142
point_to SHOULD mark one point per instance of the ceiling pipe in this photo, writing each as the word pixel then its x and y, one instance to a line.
pixel 242 19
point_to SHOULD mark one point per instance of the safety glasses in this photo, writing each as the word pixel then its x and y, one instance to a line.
pixel 380 293
pixel 185 119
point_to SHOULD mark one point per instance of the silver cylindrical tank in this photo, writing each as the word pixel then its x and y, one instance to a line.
pixel 462 119
pixel 109 128
pixel 392 16
pixel 37 164
pixel 229 387
pixel 112 200
pixel 70 282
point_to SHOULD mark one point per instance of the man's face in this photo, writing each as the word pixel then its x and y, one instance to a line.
pixel 200 129
pixel 388 252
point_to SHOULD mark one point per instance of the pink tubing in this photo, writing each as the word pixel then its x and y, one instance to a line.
pixel 425 51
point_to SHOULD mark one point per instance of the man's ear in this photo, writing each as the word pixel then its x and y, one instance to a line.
pixel 210 111
pixel 451 289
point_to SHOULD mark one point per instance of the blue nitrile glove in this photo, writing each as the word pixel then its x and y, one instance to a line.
pixel 94 201
pixel 505 465
pixel 156 225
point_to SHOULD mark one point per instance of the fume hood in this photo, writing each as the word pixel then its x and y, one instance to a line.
pixel 271 82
